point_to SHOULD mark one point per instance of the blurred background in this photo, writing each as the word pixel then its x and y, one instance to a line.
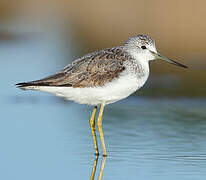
pixel 45 137
pixel 69 29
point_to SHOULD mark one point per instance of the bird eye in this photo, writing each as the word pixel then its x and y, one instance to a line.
pixel 143 47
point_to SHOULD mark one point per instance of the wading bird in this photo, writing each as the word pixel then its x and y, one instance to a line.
pixel 103 77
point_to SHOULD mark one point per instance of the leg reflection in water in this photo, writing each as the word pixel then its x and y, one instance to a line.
pixel 101 168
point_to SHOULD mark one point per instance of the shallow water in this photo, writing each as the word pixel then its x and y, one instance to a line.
pixel 46 138
pixel 43 137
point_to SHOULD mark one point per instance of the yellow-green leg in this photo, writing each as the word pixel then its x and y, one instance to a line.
pixel 99 126
pixel 102 168
pixel 92 125
pixel 94 168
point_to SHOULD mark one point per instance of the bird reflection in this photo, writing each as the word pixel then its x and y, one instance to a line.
pixel 101 168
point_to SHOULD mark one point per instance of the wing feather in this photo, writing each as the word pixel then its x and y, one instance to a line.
pixel 94 69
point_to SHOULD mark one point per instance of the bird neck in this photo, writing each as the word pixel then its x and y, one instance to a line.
pixel 142 65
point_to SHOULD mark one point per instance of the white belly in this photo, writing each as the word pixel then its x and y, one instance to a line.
pixel 111 92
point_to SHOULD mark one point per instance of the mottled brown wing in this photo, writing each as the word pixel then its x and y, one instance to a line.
pixel 97 68
pixel 94 69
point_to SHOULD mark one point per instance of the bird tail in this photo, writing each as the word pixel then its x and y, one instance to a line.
pixel 29 85
pixel 53 80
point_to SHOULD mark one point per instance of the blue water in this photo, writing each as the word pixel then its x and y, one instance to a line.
pixel 44 137
pixel 145 138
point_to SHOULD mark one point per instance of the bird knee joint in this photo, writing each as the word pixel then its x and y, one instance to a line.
pixel 92 123
pixel 99 125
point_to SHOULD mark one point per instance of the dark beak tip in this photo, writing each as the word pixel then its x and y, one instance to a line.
pixel 179 64
pixel 186 67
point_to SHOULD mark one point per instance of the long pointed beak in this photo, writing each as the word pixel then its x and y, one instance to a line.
pixel 159 56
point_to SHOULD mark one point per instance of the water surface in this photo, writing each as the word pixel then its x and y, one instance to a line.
pixel 146 139
pixel 43 137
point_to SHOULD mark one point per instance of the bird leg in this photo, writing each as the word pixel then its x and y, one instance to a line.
pixel 92 125
pixel 99 126
pixel 102 168
pixel 94 168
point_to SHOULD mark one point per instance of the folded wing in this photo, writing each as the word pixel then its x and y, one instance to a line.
pixel 94 69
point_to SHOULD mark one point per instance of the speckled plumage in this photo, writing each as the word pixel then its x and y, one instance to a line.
pixel 94 69
pixel 104 76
